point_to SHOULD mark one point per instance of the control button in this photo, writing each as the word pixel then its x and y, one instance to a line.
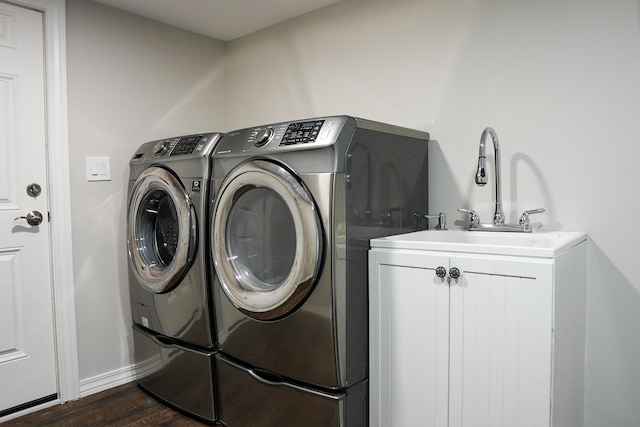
pixel 262 136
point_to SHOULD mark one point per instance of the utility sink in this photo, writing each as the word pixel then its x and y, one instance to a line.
pixel 543 244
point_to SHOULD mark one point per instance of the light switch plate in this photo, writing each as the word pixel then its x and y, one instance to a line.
pixel 98 169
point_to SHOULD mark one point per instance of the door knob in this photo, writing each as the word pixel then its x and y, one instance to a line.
pixel 33 218
pixel 454 272
pixel 34 190
pixel 441 272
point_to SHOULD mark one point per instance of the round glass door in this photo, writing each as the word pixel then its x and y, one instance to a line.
pixel 267 239
pixel 161 230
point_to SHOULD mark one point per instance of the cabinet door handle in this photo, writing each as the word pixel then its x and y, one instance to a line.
pixel 441 272
pixel 454 272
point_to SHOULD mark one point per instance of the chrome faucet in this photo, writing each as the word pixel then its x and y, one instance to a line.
pixel 481 173
pixel 524 224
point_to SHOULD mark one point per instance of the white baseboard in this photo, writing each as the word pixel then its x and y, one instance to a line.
pixel 107 380
pixel 118 377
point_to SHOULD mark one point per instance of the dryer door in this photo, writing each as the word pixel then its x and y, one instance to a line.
pixel 266 239
pixel 161 230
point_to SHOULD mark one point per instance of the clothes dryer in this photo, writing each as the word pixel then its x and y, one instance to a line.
pixel 171 305
pixel 296 204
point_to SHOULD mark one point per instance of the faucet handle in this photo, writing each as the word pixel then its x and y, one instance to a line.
pixel 524 219
pixel 474 221
pixel 442 220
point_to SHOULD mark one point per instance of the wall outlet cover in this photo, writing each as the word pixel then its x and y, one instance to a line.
pixel 98 168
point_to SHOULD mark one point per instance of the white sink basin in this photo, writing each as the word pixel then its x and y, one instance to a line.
pixel 544 244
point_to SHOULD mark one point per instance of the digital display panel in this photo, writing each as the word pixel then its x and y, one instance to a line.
pixel 186 145
pixel 302 132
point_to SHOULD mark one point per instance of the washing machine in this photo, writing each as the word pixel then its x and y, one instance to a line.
pixel 296 204
pixel 169 280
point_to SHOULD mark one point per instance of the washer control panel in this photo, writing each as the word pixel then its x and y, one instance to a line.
pixel 186 145
pixel 197 145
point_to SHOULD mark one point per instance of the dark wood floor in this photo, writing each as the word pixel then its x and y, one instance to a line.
pixel 125 405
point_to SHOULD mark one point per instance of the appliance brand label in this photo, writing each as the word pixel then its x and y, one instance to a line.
pixel 195 186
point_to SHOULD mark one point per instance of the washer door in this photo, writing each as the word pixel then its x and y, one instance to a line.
pixel 266 239
pixel 161 230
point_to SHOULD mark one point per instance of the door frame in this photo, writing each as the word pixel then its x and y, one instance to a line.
pixel 54 20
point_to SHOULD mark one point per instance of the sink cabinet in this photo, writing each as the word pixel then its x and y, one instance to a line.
pixel 500 345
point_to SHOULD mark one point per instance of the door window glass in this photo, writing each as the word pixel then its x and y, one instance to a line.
pixel 158 229
pixel 261 239
pixel 161 230
pixel 266 239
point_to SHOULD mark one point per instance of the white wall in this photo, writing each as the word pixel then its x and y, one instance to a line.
pixel 130 80
pixel 559 80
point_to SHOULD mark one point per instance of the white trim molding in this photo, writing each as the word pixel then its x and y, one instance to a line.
pixel 120 376
pixel 54 12
pixel 111 379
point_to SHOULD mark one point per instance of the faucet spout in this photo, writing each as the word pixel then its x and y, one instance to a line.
pixel 481 175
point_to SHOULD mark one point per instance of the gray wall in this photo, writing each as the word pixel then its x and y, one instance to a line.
pixel 130 80
pixel 557 79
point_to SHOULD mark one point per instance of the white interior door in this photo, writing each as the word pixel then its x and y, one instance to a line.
pixel 27 355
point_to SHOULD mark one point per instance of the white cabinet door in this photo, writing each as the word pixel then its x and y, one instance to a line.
pixel 500 345
pixel 472 351
pixel 409 340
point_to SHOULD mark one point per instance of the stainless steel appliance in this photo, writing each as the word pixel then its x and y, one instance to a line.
pixel 171 306
pixel 296 204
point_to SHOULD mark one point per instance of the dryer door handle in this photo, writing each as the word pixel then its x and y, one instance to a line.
pixel 163 339
pixel 265 376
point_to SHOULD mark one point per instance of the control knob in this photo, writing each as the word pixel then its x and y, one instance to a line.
pixel 160 147
pixel 263 135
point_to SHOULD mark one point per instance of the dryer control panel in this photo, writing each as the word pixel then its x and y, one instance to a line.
pixel 302 132
pixel 298 135
pixel 287 133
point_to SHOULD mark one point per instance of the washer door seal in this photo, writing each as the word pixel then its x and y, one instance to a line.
pixel 161 230
pixel 266 239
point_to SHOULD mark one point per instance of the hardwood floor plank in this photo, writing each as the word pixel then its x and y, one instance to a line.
pixel 125 405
